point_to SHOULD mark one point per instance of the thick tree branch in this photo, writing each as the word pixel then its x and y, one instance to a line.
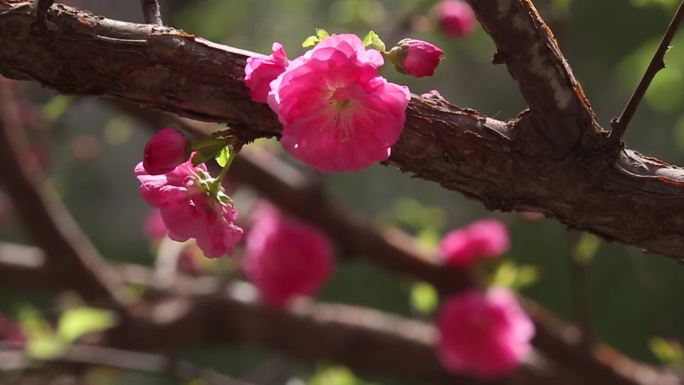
pixel 506 165
pixel 531 53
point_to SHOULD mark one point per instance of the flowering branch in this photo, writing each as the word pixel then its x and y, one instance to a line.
pixel 506 165
pixel 392 250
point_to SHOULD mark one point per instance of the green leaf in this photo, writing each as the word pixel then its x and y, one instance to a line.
pixel 57 106
pixel 667 351
pixel 424 297
pixel 222 157
pixel 511 275
pixel 335 375
pixel 206 149
pixel 75 323
pixel 315 39
pixel 42 343
pixel 321 34
pixel 310 41
pixel 372 39
pixel 586 248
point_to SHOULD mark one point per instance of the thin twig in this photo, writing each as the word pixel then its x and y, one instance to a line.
pixel 151 12
pixel 82 355
pixel 42 7
pixel 620 123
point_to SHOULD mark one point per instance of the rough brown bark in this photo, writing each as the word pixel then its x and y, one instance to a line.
pixel 563 170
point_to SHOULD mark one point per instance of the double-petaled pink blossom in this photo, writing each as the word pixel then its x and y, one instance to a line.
pixel 483 335
pixel 484 239
pixel 338 113
pixel 260 71
pixel 285 259
pixel 191 208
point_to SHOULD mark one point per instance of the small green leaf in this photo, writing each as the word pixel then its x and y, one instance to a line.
pixel 222 157
pixel 56 107
pixel 511 275
pixel 42 343
pixel 206 149
pixel 667 351
pixel 372 39
pixel 586 248
pixel 310 41
pixel 335 375
pixel 75 323
pixel 321 34
pixel 424 297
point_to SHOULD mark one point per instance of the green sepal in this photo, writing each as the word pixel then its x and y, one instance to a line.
pixel 315 39
pixel 372 39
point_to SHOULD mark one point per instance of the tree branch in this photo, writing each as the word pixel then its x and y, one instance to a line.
pixel 73 260
pixel 506 165
pixel 84 355
pixel 208 312
pixel 620 123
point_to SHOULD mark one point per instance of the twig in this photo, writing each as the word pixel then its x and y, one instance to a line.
pixel 620 123
pixel 41 10
pixel 151 12
pixel 74 261
pixel 82 355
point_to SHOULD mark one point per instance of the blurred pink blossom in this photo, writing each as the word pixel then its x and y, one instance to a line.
pixel 154 227
pixel 456 18
pixel 483 335
pixel 285 259
pixel 484 239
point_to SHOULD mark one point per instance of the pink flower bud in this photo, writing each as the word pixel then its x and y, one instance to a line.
pixel 416 57
pixel 483 335
pixel 456 18
pixel 485 239
pixel 261 71
pixel 285 259
pixel 164 151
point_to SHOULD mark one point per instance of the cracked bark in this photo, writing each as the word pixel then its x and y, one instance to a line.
pixel 553 159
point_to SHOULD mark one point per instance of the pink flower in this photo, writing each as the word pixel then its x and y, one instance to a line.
pixel 338 113
pixel 432 94
pixel 416 57
pixel 11 333
pixel 456 18
pixel 260 72
pixel 164 151
pixel 154 227
pixel 190 209
pixel 486 336
pixel 285 259
pixel 484 239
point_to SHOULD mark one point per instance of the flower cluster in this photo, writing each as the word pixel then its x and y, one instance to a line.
pixel 484 239
pixel 338 113
pixel 192 205
pixel 484 335
pixel 285 259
